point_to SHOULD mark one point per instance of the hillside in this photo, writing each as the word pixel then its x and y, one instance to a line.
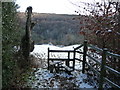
pixel 55 28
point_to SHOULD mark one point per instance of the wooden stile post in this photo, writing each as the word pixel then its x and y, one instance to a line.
pixel 84 56
pixel 67 61
pixel 74 60
pixel 48 58
pixel 102 73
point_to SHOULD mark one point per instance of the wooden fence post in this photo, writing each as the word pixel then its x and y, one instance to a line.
pixel 84 56
pixel 102 73
pixel 74 60
pixel 67 61
pixel 48 58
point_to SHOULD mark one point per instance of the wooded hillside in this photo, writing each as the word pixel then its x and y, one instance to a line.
pixel 55 28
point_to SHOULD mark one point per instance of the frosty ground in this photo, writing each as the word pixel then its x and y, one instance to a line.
pixel 45 79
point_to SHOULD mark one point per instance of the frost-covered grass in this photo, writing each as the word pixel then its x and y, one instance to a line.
pixel 45 79
pixel 41 52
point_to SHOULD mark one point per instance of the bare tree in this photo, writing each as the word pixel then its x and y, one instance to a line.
pixel 101 24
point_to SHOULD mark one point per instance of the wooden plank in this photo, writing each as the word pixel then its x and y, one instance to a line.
pixel 113 55
pixel 78 47
pixel 78 59
pixel 62 59
pixel 110 82
pixel 112 70
pixel 67 61
pixel 61 51
pixel 67 68
pixel 65 51
pixel 55 65
pixel 95 71
pixel 48 59
pixel 79 52
pixel 95 48
pixel 58 62
pixel 74 60
pixel 94 59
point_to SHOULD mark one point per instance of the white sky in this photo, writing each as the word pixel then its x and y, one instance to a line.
pixel 49 6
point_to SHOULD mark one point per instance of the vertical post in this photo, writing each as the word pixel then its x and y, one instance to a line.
pixel 74 60
pixel 84 56
pixel 25 42
pixel 102 73
pixel 28 29
pixel 67 61
pixel 48 58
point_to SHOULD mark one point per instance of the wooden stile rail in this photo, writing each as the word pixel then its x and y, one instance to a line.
pixel 64 59
pixel 67 60
pixel 104 67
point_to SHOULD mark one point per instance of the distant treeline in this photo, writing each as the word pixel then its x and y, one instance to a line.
pixel 55 28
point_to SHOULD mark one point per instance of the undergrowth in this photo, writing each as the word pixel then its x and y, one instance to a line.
pixel 16 72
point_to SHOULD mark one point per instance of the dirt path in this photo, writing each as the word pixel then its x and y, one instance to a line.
pixel 45 79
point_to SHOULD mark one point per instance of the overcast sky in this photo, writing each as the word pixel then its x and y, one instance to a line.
pixel 49 6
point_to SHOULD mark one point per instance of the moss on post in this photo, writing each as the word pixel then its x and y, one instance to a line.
pixel 27 45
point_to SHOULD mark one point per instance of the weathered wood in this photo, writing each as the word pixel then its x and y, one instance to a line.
pixel 61 51
pixel 111 83
pixel 95 48
pixel 48 59
pixel 67 69
pixel 56 63
pixel 65 51
pixel 104 67
pixel 94 59
pixel 61 59
pixel 55 66
pixel 84 55
pixel 67 61
pixel 95 71
pixel 74 60
pixel 102 72
pixel 112 70
pixel 113 55
pixel 78 47
pixel 79 52
pixel 79 59
pixel 51 68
